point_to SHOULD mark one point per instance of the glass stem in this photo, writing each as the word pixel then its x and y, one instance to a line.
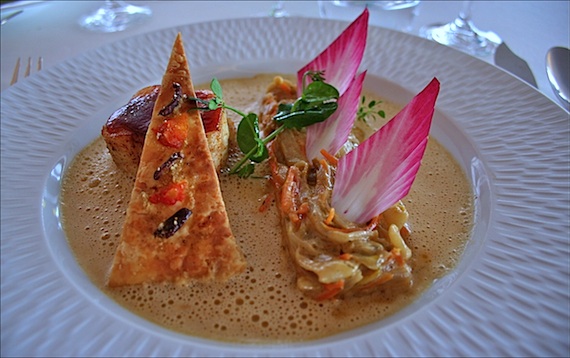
pixel 277 9
pixel 465 13
pixel 112 4
pixel 463 21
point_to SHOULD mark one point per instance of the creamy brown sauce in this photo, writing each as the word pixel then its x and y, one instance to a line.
pixel 261 305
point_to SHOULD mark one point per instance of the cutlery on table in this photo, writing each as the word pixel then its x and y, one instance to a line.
pixel 558 72
pixel 28 69
pixel 507 60
pixel 10 16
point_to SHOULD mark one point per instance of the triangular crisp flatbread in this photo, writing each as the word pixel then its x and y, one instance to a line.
pixel 176 228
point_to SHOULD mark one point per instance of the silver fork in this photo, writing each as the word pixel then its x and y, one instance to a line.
pixel 28 69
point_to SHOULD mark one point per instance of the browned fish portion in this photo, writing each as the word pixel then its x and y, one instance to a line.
pixel 125 130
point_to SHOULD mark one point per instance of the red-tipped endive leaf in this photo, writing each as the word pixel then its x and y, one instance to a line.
pixel 341 59
pixel 331 134
pixel 381 170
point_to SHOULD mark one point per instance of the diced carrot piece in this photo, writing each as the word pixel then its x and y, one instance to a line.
pixel 276 178
pixel 405 231
pixel 266 203
pixel 373 223
pixel 303 209
pixel 330 217
pixel 330 290
pixel 397 255
pixel 329 157
pixel 290 191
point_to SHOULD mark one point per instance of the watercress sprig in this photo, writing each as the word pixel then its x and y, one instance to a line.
pixel 316 104
pixel 217 101
pixel 369 110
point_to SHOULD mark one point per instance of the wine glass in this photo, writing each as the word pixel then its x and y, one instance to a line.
pixel 462 34
pixel 277 10
pixel 115 16
pixel 395 14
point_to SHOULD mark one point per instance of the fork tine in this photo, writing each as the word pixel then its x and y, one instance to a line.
pixel 27 72
pixel 28 69
pixel 16 71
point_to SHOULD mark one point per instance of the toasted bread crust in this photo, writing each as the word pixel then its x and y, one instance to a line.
pixel 203 247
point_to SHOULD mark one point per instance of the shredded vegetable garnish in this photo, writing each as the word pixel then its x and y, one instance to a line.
pixel 330 217
pixel 331 290
pixel 329 157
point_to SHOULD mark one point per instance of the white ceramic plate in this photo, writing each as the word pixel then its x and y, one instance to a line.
pixel 508 296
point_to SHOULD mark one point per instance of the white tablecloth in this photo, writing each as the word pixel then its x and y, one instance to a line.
pixel 50 29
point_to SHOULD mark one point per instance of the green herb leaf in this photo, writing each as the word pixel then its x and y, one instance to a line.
pixel 369 110
pixel 318 92
pixel 316 75
pixel 317 103
pixel 283 109
pixel 213 104
pixel 216 87
pixel 248 138
pixel 304 118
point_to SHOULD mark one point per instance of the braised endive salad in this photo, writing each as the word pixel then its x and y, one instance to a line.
pixel 343 220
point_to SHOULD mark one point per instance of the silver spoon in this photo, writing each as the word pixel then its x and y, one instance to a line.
pixel 558 72
pixel 9 16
